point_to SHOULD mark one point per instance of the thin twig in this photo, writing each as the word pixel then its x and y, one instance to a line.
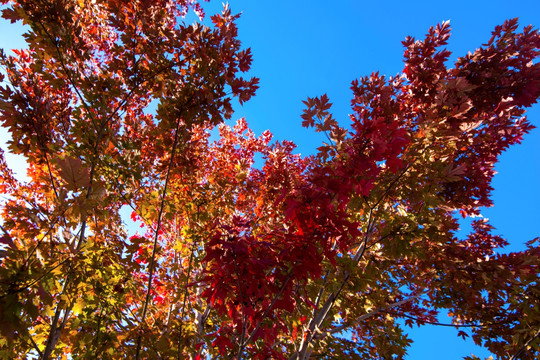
pixel 524 347
pixel 268 309
pixel 395 313
pixel 186 293
pixel 156 236
pixel 244 322
pixel 382 309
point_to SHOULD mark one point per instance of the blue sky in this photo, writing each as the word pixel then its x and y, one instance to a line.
pixel 307 48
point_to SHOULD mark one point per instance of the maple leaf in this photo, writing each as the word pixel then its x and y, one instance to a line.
pixel 6 240
pixel 74 173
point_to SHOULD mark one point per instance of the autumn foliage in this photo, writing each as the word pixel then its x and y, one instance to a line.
pixel 326 256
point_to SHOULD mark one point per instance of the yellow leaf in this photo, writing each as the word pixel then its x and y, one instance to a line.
pixel 48 311
pixel 78 306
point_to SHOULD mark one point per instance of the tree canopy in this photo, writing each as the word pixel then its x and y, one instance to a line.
pixel 330 255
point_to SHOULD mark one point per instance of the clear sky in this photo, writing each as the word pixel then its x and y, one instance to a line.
pixel 307 48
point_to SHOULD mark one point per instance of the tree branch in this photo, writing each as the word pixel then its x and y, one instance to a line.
pixel 156 236
pixel 267 311
pixel 445 324
pixel 524 347
pixel 317 320
pixel 383 309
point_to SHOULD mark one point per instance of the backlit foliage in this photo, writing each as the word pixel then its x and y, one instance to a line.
pixel 316 256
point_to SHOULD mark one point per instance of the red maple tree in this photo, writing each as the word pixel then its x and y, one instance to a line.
pixel 238 261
